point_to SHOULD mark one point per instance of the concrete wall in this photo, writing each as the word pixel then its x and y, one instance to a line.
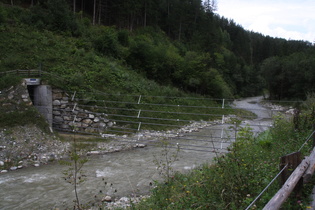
pixel 42 100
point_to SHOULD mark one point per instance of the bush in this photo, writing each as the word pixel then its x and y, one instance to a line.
pixel 123 38
pixel 106 42
pixel 24 116
pixel 3 15
pixel 8 81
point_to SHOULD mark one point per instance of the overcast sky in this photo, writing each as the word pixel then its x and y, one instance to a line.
pixel 289 19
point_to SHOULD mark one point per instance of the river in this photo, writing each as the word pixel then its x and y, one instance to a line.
pixel 116 174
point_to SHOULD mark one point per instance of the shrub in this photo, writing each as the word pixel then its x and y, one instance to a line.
pixel 106 42
pixel 3 15
pixel 8 81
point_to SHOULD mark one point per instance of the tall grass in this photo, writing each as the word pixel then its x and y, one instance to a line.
pixel 233 180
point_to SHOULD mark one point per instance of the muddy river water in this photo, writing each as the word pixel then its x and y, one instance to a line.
pixel 125 173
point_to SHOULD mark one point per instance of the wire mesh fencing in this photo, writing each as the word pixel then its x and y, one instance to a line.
pixel 200 124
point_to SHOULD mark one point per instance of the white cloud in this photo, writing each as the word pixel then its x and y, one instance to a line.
pixel 278 18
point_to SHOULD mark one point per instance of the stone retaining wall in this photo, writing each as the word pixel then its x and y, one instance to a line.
pixel 68 116
pixel 12 98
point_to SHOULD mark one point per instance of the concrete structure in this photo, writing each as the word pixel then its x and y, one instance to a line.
pixel 43 102
pixel 61 110
pixel 41 96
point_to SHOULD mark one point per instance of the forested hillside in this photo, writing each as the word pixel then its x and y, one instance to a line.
pixel 175 43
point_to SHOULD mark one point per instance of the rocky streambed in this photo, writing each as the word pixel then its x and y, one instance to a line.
pixel 28 145
pixel 130 172
pixel 23 146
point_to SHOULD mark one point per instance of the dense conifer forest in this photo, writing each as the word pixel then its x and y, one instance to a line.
pixel 175 43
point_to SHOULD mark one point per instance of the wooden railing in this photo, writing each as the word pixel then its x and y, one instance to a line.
pixel 24 73
pixel 301 175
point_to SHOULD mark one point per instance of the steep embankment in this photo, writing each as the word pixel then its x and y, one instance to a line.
pixel 28 145
pixel 24 135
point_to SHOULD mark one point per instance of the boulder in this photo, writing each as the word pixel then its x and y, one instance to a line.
pixel 87 121
pixel 82 115
pixel 93 153
pixel 124 200
pixel 58 119
pixel 24 96
pixel 67 118
pixel 56 113
pixel 13 168
pixel 90 130
pixel 84 125
pixel 63 102
pixel 107 199
pixel 56 103
pixel 110 124
pixel 140 145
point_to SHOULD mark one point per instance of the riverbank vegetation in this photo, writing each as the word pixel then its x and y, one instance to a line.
pixel 235 179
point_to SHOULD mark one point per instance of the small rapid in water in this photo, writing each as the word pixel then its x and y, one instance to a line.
pixel 117 174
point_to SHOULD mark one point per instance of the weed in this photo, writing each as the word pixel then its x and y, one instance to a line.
pixel 74 174
pixel 167 157
pixel 233 180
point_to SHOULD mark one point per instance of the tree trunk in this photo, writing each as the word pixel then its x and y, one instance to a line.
pixel 82 8
pixel 94 12
pixel 99 12
pixel 145 14
pixel 168 17
pixel 74 2
pixel 180 29
pixel 131 22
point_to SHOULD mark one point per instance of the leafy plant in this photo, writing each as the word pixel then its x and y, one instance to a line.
pixel 234 179
pixel 74 174
pixel 166 159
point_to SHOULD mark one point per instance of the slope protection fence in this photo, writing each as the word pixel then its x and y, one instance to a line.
pixel 194 124
pixel 210 126
pixel 144 119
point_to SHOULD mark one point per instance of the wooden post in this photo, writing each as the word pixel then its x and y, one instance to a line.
pixel 311 169
pixel 292 160
pixel 280 197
